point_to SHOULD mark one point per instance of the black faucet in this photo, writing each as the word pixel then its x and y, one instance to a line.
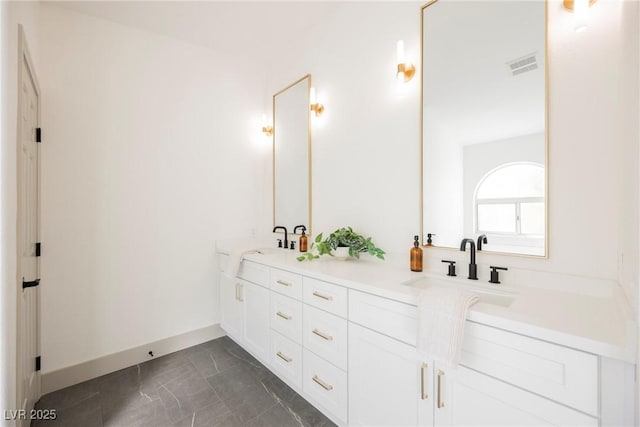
pixel 481 239
pixel 473 268
pixel 280 227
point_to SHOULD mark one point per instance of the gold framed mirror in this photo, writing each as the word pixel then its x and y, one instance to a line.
pixel 292 155
pixel 484 124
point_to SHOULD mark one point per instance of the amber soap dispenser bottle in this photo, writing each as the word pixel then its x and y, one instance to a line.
pixel 302 243
pixel 416 255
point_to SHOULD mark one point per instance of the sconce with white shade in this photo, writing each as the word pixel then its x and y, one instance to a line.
pixel 405 71
pixel 267 128
pixel 314 105
pixel 580 9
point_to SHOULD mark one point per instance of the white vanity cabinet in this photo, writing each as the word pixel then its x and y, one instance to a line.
pixel 500 381
pixel 352 354
pixel 245 307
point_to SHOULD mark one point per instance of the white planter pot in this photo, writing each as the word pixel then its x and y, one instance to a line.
pixel 341 253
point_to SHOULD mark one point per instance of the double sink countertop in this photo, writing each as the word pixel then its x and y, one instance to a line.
pixel 592 318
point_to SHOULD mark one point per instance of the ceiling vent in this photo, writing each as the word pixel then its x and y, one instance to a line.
pixel 522 65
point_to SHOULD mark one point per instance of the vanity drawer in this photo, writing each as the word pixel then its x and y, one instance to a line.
pixel 286 358
pixel 324 295
pixel 286 283
pixel 325 335
pixel 254 272
pixel 392 318
pixel 286 316
pixel 562 374
pixel 326 385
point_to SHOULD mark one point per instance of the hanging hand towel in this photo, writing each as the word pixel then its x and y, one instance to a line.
pixel 235 258
pixel 441 317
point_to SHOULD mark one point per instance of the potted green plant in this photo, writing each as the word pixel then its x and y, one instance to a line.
pixel 354 243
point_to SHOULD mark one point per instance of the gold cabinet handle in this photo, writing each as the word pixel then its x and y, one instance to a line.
pixel 284 316
pixel 440 402
pixel 238 292
pixel 423 390
pixel 284 357
pixel 283 283
pixel 321 383
pixel 322 335
pixel 324 297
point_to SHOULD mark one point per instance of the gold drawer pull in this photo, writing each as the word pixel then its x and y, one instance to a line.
pixel 322 335
pixel 440 402
pixel 284 316
pixel 324 297
pixel 283 283
pixel 239 296
pixel 321 383
pixel 284 357
pixel 423 391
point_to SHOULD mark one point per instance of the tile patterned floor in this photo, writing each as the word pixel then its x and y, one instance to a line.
pixel 213 384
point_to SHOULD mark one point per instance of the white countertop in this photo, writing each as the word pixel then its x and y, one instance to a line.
pixel 598 323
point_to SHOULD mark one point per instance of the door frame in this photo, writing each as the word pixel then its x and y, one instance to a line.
pixel 24 59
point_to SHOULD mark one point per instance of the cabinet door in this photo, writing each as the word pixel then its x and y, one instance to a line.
pixel 231 309
pixel 468 398
pixel 388 384
pixel 256 319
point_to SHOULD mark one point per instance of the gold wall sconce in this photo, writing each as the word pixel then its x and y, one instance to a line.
pixel 405 71
pixel 267 129
pixel 580 9
pixel 314 105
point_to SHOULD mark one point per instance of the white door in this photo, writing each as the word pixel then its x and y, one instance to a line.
pixel 469 398
pixel 257 312
pixel 28 308
pixel 388 383
pixel 231 306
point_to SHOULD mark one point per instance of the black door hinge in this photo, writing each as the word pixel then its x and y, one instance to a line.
pixel 38 361
pixel 38 249
pixel 38 134
pixel 30 284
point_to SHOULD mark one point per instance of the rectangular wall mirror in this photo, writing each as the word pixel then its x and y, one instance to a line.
pixel 292 155
pixel 484 124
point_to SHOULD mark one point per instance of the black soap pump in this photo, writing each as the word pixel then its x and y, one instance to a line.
pixel 429 241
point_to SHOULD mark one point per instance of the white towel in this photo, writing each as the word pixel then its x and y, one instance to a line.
pixel 235 258
pixel 441 317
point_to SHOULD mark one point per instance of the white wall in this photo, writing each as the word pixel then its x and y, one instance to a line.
pixel 365 151
pixel 148 158
pixel 27 14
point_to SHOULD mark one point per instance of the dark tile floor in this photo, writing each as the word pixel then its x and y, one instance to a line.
pixel 213 384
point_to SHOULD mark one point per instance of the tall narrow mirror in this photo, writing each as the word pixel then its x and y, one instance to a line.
pixel 292 155
pixel 484 124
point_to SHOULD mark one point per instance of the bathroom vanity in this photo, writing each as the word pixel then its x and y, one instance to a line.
pixel 343 334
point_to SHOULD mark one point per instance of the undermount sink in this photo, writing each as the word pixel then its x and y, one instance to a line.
pixel 486 294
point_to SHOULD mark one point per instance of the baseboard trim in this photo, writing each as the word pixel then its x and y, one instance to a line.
pixel 65 377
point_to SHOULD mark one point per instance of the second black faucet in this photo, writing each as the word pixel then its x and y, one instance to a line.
pixel 473 268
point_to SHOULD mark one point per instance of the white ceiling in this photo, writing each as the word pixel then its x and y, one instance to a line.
pixel 470 94
pixel 260 30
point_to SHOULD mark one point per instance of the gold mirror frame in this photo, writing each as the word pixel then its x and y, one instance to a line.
pixel 309 153
pixel 546 140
